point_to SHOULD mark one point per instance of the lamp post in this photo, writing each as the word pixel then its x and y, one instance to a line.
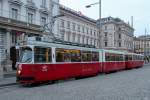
pixel 99 3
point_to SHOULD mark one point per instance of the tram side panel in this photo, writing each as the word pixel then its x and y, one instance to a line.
pixel 113 62
pixel 134 61
pixel 65 67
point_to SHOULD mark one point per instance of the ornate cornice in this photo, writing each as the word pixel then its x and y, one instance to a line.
pixel 44 11
pixel 31 5
pixel 17 2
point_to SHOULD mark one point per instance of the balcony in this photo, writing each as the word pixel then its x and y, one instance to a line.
pixel 18 24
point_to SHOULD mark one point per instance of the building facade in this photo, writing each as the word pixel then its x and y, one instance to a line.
pixel 23 18
pixel 76 28
pixel 142 45
pixel 116 34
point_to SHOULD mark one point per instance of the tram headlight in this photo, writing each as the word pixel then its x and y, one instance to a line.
pixel 19 69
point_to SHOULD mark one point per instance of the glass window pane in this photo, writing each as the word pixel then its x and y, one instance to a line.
pixel 95 56
pixel 75 56
pixel 86 56
pixel 63 55
pixel 42 55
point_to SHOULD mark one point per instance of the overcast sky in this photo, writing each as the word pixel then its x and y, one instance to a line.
pixel 124 9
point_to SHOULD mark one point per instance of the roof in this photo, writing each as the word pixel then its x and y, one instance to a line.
pixel 76 13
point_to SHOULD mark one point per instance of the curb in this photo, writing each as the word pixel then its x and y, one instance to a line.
pixel 9 84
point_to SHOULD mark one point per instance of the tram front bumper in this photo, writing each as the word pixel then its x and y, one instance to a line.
pixel 25 80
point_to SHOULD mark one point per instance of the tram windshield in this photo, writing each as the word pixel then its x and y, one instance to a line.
pixel 26 55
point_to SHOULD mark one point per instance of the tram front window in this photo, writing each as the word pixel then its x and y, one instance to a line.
pixel 26 55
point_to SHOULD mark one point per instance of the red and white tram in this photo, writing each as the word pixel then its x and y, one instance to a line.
pixel 113 61
pixel 41 61
pixel 48 61
pixel 133 60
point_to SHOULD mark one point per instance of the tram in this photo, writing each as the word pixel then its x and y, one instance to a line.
pixel 42 61
pixel 133 60
pixel 113 61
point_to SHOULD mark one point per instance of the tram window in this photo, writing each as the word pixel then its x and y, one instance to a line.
pixel 120 58
pixel 142 57
pixel 86 56
pixel 95 56
pixel 26 55
pixel 128 57
pixel 42 55
pixel 75 56
pixel 63 55
pixel 117 58
pixel 110 57
pixel 134 57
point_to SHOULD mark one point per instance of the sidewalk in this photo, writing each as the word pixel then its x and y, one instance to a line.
pixel 147 64
pixel 9 79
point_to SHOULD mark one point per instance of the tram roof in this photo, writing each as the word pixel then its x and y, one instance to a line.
pixel 50 44
pixel 114 51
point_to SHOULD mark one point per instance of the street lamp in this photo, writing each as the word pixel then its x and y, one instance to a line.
pixel 88 6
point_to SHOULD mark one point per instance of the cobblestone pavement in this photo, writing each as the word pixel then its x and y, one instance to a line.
pixel 125 85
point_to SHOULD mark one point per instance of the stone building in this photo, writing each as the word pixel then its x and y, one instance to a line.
pixel 77 28
pixel 20 19
pixel 116 34
pixel 142 45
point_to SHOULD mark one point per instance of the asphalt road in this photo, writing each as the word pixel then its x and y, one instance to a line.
pixel 124 85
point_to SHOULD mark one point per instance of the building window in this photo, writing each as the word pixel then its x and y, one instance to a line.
pixel 73 38
pixel 91 31
pixel 78 39
pixel 119 44
pixel 94 33
pixel 62 23
pixel 105 27
pixel 82 29
pixel 87 40
pixel 44 3
pixel 105 44
pixel 62 32
pixel 98 34
pixel 73 26
pixel 43 21
pixel 14 13
pixel 68 25
pixel 87 30
pixel 83 39
pixel 91 41
pixel 119 29
pixel 30 18
pixel 78 28
pixel 105 34
pixel 95 42
pixel 68 37
pixel 119 36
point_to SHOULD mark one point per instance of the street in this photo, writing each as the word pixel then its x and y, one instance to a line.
pixel 124 85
